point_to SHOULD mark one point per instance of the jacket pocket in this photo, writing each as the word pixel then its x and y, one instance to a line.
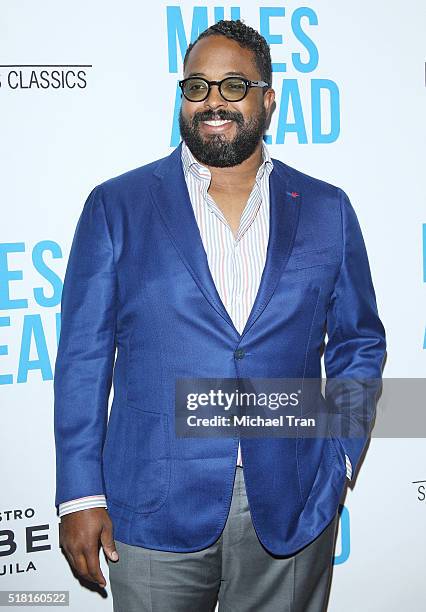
pixel 300 260
pixel 140 479
pixel 319 465
pixel 337 449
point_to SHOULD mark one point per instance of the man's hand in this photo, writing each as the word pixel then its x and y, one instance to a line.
pixel 81 534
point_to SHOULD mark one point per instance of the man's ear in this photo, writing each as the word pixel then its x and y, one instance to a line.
pixel 271 94
pixel 271 100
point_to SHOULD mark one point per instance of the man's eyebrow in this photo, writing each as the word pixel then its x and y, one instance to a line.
pixel 232 73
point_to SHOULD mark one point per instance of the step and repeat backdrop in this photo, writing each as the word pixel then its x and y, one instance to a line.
pixel 88 90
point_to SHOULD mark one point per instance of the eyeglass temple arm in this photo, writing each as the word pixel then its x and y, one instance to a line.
pixel 259 84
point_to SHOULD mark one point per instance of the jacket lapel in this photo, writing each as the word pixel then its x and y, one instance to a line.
pixel 285 201
pixel 171 197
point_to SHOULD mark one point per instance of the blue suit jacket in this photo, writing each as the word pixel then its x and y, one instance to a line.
pixel 138 280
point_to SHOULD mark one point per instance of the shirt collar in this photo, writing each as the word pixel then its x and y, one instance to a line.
pixel 190 164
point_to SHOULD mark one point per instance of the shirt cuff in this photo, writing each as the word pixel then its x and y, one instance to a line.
pixel 82 503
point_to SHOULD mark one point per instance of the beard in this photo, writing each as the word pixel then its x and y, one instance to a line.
pixel 215 149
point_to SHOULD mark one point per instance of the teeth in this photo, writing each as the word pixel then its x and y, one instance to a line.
pixel 217 122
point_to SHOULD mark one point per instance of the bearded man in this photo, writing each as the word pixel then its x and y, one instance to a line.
pixel 217 261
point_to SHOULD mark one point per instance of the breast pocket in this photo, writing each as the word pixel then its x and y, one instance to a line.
pixel 324 256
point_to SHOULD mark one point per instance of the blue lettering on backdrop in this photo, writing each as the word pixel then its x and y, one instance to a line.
pixel 295 114
pixel 317 134
pixel 302 37
pixel 45 272
pixel 6 276
pixel 345 537
pixel 176 30
pixel 290 96
pixel 5 379
pixel 265 13
pixel 32 328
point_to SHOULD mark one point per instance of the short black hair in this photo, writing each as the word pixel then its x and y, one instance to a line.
pixel 246 37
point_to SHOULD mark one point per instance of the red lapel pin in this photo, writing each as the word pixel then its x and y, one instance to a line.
pixel 294 194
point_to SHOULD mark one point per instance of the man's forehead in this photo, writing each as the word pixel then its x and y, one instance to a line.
pixel 219 54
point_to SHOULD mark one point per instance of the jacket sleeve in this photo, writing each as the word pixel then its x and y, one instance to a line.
pixel 85 356
pixel 356 346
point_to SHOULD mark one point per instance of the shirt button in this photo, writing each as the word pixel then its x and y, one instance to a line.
pixel 239 353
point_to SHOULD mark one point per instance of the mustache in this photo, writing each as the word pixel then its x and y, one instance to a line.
pixel 218 116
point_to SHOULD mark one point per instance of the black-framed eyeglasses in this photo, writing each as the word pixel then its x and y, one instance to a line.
pixel 232 89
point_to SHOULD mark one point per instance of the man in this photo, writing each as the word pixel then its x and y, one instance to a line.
pixel 214 262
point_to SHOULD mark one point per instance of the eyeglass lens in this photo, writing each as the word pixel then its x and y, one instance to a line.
pixel 232 89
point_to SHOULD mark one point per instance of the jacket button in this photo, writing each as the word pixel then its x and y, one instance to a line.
pixel 239 353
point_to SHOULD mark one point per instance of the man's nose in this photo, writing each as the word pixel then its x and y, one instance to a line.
pixel 214 99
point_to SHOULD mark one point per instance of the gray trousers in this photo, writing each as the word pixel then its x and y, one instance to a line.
pixel 236 572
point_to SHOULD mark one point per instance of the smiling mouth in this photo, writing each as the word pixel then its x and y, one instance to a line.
pixel 217 126
pixel 218 122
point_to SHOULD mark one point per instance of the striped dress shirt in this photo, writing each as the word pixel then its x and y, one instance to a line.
pixel 236 262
